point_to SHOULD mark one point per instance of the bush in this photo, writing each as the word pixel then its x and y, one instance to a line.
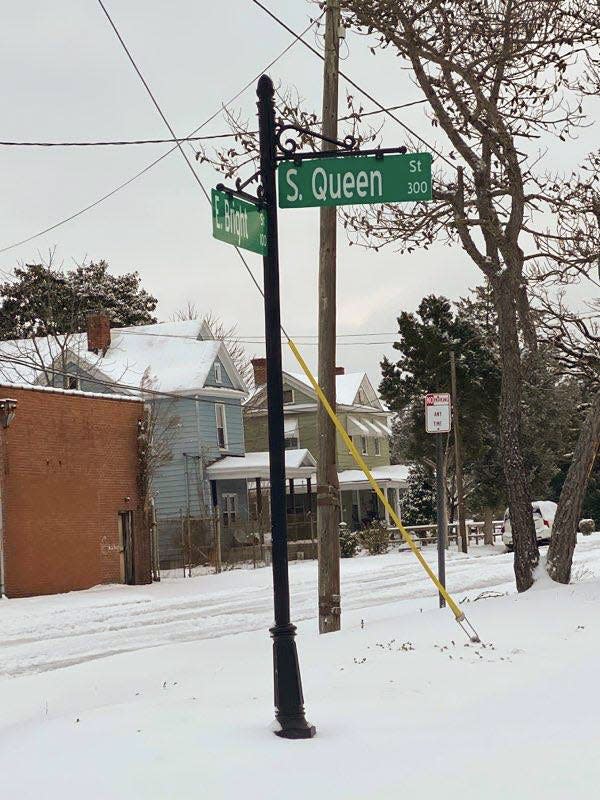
pixel 587 526
pixel 348 541
pixel 375 539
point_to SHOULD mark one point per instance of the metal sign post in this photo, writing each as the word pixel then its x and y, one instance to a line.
pixel 438 417
pixel 239 218
pixel 289 701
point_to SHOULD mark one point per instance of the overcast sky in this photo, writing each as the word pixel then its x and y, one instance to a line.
pixel 63 75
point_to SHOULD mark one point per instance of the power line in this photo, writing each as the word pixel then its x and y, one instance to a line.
pixel 355 85
pixel 257 339
pixel 248 336
pixel 110 384
pixel 164 155
pixel 120 143
pixel 137 390
pixel 172 132
pixel 191 137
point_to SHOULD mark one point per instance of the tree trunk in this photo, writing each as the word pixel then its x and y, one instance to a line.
pixel 564 529
pixel 488 525
pixel 515 473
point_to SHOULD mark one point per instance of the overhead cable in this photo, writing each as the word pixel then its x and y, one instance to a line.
pixel 356 86
pixel 147 168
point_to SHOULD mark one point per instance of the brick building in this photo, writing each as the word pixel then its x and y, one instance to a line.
pixel 69 511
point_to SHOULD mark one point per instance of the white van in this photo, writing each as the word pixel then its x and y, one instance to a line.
pixel 544 512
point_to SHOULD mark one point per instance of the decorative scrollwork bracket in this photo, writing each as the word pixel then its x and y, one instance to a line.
pixel 290 146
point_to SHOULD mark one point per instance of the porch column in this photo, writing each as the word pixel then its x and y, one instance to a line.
pixel 213 494
pixel 258 499
pixel 385 509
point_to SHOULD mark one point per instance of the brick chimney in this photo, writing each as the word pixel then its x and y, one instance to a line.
pixel 340 370
pixel 259 365
pixel 98 332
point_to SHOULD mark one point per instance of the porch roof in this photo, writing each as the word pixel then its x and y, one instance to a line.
pixel 393 476
pixel 298 464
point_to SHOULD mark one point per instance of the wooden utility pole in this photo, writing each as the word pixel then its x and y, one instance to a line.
pixel 462 539
pixel 328 509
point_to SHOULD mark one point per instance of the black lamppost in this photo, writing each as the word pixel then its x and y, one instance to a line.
pixel 289 701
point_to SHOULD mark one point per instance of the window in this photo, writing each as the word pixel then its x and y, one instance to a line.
pixel 288 396
pixel 363 445
pixel 73 382
pixel 218 373
pixel 377 446
pixel 221 426
pixel 362 397
pixel 229 502
pixel 291 442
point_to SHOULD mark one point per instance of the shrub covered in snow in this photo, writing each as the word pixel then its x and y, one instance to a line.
pixel 375 539
pixel 587 526
pixel 348 541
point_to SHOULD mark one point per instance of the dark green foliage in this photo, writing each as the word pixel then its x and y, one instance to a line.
pixel 43 301
pixel 552 410
pixel 375 539
pixel 418 502
pixel 349 543
pixel 425 341
pixel 591 504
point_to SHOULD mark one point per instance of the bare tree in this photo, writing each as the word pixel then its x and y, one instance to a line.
pixel 493 73
pixel 573 254
pixel 157 429
pixel 51 334
pixel 43 316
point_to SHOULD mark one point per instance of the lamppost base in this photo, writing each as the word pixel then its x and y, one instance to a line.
pixel 299 729
pixel 289 701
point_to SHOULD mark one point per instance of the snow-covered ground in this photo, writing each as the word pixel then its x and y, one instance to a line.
pixel 145 692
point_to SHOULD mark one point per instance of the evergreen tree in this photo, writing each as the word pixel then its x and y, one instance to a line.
pixel 418 502
pixel 44 301
pixel 425 341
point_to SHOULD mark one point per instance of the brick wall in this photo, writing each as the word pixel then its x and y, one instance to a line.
pixel 70 465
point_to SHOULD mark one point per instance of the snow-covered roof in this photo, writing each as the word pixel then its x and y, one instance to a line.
pixel 395 473
pixel 175 361
pixel 170 352
pixel 298 464
pixel 25 355
pixel 346 386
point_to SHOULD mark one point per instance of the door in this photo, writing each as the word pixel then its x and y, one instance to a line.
pixel 126 546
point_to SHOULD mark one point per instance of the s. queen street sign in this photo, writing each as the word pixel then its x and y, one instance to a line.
pixel 354 180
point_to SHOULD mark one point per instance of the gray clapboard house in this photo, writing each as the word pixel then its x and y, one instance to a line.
pixel 197 409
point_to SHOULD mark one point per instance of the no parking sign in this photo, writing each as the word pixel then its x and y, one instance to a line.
pixel 438 413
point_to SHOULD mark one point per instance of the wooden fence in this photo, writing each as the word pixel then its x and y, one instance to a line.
pixel 427 534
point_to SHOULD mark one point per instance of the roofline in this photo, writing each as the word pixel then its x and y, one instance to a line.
pixel 71 392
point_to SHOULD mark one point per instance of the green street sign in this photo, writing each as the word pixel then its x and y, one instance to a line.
pixel 354 180
pixel 239 222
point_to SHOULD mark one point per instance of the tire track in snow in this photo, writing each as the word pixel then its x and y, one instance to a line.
pixel 43 634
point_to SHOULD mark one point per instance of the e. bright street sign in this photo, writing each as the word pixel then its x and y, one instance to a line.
pixel 354 180
pixel 438 416
pixel 239 222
